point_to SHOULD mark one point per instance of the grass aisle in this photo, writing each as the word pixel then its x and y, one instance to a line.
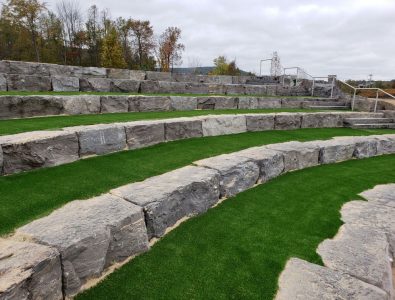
pixel 13 126
pixel 26 196
pixel 238 249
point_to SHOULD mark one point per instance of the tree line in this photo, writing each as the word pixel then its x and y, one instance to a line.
pixel 29 31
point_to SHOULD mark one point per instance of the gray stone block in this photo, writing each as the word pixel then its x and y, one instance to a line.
pixel 28 68
pixel 303 280
pixel 100 139
pixel 260 122
pixel 292 103
pixel 377 217
pixel 287 121
pixel 359 252
pixel 321 120
pixel 217 89
pixel 237 173
pixel 270 162
pixel 137 75
pixel 219 79
pixel 134 103
pixel 170 87
pixel 297 155
pixel 265 102
pixel 223 124
pixel 89 72
pixel 385 144
pixel 29 106
pixel 125 86
pixel 114 104
pixel 144 133
pixel 333 151
pixel 81 104
pixel 248 103
pixel 271 90
pixel 62 70
pixel 183 128
pixel 183 103
pixel 29 271
pixel 65 84
pixel 3 82
pixel 93 84
pixel 226 102
pixel 365 146
pixel 158 76
pixel 255 89
pixel 149 87
pixel 118 73
pixel 29 83
pixel 235 89
pixel 196 88
pixel 154 103
pixel 381 195
pixel 172 196
pixel 90 235
pixel 4 66
pixel 31 150
pixel 206 102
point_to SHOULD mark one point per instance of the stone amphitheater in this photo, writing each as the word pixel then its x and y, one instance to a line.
pixel 57 254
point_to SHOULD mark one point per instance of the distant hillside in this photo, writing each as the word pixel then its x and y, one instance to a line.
pixel 199 70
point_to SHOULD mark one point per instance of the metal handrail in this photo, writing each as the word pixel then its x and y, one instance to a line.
pixel 358 88
pixel 323 77
pixel 298 70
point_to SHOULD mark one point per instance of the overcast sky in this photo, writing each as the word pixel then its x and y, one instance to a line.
pixel 350 38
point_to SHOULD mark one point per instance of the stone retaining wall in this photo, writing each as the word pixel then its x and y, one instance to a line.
pixel 33 106
pixel 25 76
pixel 86 237
pixel 38 149
pixel 358 260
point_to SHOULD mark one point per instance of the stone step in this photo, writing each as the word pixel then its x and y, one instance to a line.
pixel 374 126
pixel 381 194
pixel 368 120
pixel 331 107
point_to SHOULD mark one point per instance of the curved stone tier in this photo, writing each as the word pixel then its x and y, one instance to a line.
pixel 89 236
pixel 358 260
pixel 49 105
pixel 38 149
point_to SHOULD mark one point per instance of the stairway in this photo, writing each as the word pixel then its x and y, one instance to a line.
pixel 370 123
pixel 330 104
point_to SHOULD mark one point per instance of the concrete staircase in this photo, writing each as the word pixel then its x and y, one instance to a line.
pixel 330 104
pixel 370 123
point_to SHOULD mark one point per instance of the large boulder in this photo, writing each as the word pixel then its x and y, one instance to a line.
pixel 90 235
pixel 333 151
pixel 223 124
pixel 3 82
pixel 292 103
pixel 144 133
pixel 113 104
pixel 235 89
pixel 100 139
pixel 321 120
pixel 118 73
pixel 183 103
pixel 270 162
pixel 303 280
pixel 149 87
pixel 65 84
pixel 183 128
pixel 28 68
pixel 206 102
pixel 377 217
pixel 29 271
pixel 365 146
pixel 287 121
pixel 158 76
pixel 137 75
pixel 237 173
pixel 385 144
pixel 381 194
pixel 226 102
pixel 153 103
pixel 26 151
pixel 255 89
pixel 81 104
pixel 93 84
pixel 4 67
pixel 260 122
pixel 29 106
pixel 170 197
pixel 125 86
pixel 217 89
pixel 297 155
pixel 29 83
pixel 172 87
pixel 196 88
pixel 89 72
pixel 259 103
pixel 360 252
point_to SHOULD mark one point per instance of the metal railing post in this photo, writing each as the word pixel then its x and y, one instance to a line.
pixel 377 99
pixel 333 86
pixel 353 99
pixel 312 88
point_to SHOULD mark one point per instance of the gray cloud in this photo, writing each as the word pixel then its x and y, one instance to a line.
pixel 350 38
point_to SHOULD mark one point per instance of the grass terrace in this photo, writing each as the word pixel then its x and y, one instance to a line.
pixel 238 249
pixel 27 196
pixel 12 126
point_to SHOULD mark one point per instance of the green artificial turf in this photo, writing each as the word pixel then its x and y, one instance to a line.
pixel 238 249
pixel 13 126
pixel 26 196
